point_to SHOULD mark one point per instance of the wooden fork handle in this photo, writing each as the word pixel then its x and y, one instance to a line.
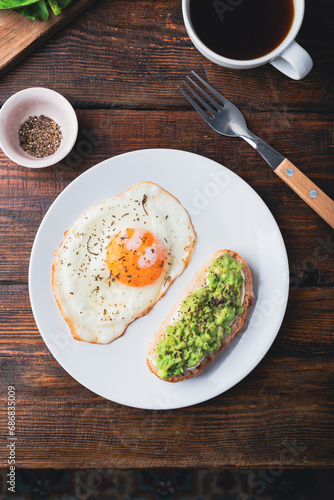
pixel 307 190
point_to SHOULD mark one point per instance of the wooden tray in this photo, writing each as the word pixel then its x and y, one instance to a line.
pixel 19 36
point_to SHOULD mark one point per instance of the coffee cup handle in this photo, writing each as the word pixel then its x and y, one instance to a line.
pixel 294 61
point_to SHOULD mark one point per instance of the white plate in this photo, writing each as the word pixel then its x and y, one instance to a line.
pixel 226 213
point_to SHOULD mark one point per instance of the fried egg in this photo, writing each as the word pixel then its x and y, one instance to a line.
pixel 118 259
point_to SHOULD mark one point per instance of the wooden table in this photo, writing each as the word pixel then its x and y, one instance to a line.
pixel 119 64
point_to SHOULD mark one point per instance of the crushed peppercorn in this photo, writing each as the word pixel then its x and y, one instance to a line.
pixel 40 136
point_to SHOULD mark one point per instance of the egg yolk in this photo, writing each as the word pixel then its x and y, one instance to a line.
pixel 135 257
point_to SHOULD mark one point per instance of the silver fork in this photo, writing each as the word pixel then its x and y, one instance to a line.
pixel 226 119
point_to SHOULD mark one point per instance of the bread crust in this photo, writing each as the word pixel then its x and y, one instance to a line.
pixel 198 281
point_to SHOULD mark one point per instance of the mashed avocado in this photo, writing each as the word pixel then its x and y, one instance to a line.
pixel 205 318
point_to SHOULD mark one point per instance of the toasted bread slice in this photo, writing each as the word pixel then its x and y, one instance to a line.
pixel 198 281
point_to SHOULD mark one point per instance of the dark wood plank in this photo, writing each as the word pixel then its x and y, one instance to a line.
pixel 119 64
pixel 19 36
pixel 254 419
pixel 26 194
pixel 135 53
pixel 284 404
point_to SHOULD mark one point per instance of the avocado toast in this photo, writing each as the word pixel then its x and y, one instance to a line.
pixel 207 316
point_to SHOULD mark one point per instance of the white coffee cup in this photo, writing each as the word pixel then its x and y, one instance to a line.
pixel 289 57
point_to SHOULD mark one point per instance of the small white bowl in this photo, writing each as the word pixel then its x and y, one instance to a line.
pixel 36 101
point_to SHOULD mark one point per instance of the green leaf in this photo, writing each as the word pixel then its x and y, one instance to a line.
pixel 58 5
pixel 15 4
pixel 37 11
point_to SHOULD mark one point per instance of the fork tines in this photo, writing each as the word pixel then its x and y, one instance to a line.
pixel 217 106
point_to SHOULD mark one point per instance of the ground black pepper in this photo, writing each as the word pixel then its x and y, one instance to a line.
pixel 40 136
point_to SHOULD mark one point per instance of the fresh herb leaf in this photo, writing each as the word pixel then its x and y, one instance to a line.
pixel 58 5
pixel 15 4
pixel 37 11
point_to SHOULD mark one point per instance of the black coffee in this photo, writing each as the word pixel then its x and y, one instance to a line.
pixel 242 29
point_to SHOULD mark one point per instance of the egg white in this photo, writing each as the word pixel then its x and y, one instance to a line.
pixel 96 308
